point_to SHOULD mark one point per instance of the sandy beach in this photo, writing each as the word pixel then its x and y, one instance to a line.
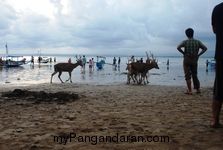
pixel 119 113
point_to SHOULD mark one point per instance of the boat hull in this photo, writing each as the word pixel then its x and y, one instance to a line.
pixel 211 64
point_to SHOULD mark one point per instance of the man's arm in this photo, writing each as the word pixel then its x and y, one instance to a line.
pixel 202 52
pixel 180 50
pixel 213 29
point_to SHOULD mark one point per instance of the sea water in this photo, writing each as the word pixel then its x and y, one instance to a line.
pixel 166 75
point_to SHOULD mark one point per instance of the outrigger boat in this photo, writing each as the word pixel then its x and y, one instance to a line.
pixel 100 64
pixel 211 63
pixel 14 61
pixel 43 59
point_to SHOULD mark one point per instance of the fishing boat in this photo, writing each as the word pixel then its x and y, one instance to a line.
pixel 14 61
pixel 211 63
pixel 100 62
pixel 43 59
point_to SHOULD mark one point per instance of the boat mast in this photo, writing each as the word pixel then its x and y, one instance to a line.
pixel 6 49
pixel 40 53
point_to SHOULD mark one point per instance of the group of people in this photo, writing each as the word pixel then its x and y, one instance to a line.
pixel 114 63
pixel 84 62
pixel 91 63
pixel 148 60
pixel 40 58
pixel 191 55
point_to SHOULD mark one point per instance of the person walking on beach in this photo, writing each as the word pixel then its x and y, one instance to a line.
pixel 119 61
pixel 32 60
pixel 168 62
pixel 217 27
pixel 191 54
pixel 92 60
pixel 83 62
pixel 114 63
pixel 90 64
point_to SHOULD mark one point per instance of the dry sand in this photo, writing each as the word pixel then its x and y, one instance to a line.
pixel 118 110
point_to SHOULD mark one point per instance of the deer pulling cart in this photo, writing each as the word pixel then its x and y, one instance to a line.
pixel 100 62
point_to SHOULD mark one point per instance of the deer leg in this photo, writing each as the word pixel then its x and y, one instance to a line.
pixel 52 76
pixel 136 77
pixel 59 76
pixel 128 75
pixel 139 77
pixel 69 77
pixel 133 76
pixel 143 78
pixel 147 79
pixel 128 78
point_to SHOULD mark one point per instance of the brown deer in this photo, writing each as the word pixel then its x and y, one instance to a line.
pixel 144 73
pixel 142 69
pixel 65 67
pixel 132 74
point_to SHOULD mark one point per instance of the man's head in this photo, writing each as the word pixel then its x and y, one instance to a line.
pixel 189 32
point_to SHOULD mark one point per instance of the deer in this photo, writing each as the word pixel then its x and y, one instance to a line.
pixel 65 67
pixel 153 64
pixel 142 69
pixel 130 73
pixel 144 73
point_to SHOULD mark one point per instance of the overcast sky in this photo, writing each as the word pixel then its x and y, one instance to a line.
pixel 119 27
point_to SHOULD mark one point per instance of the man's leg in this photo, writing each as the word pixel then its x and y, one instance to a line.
pixel 189 86
pixel 187 73
pixel 217 94
pixel 216 109
pixel 194 76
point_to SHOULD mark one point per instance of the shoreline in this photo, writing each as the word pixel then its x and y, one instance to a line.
pixel 105 110
pixel 171 75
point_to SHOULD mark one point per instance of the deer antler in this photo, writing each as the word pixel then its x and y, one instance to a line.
pixel 128 59
pixel 152 57
pixel 78 58
pixel 147 55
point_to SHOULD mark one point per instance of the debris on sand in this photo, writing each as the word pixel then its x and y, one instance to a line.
pixel 39 97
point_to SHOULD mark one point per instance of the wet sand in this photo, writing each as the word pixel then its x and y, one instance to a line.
pixel 117 111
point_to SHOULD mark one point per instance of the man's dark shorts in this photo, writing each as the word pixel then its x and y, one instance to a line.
pixel 218 84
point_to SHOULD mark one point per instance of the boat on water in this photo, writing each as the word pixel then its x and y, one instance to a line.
pixel 14 61
pixel 211 63
pixel 43 59
pixel 100 62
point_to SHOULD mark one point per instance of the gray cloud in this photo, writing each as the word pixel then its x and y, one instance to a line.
pixel 104 26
